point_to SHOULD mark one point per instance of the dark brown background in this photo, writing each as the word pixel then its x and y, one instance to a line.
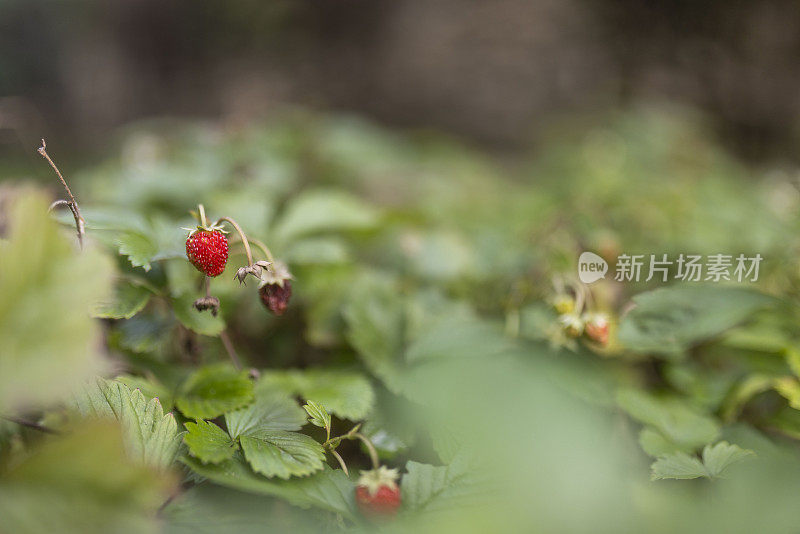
pixel 494 71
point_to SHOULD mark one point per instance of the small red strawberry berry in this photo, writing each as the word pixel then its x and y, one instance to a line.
pixel 377 493
pixel 276 288
pixel 596 328
pixel 207 249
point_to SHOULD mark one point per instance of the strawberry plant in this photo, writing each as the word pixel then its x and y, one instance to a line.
pixel 319 325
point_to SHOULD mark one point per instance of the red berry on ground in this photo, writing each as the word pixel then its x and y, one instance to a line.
pixel 208 251
pixel 377 493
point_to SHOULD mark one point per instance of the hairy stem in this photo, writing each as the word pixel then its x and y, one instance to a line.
pixel 242 236
pixel 373 454
pixel 341 462
pixel 264 249
pixel 201 210
pixel 72 204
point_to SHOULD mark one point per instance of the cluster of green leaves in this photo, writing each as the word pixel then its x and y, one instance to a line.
pixel 421 276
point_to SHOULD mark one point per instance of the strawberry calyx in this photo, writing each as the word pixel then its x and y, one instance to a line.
pixel 205 228
pixel 277 273
pixel 375 479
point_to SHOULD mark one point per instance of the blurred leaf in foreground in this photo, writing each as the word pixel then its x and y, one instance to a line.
pixel 128 300
pixel 82 483
pixel 48 342
pixel 328 489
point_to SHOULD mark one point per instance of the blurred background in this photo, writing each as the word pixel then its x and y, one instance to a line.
pixel 495 72
pixel 427 169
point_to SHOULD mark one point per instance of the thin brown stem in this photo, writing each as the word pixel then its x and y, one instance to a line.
pixel 31 424
pixel 207 284
pixel 72 204
pixel 226 342
pixel 341 462
pixel 241 235
pixel 58 203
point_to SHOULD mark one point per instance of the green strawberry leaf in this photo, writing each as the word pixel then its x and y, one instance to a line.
pixel 678 422
pixel 138 247
pixel 789 389
pixel 376 329
pixel 347 395
pixel 317 414
pixel 678 465
pixel 268 412
pixel 213 390
pixel 317 251
pixel 150 435
pixel 324 211
pixel 150 388
pixel 208 443
pixel 715 460
pixel 744 391
pixel 655 444
pixel 201 322
pixel 668 321
pixel 282 454
pixel 327 489
pixel 428 488
pixel 128 300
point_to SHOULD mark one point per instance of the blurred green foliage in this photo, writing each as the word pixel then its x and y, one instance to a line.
pixel 423 276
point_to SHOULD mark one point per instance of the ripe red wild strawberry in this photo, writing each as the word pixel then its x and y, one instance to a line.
pixel 207 249
pixel 377 493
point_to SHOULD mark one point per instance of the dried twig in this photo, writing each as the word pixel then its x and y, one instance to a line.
pixel 31 424
pixel 72 204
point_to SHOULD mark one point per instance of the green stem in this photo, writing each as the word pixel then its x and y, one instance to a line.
pixel 202 211
pixel 373 454
pixel 241 234
pixel 226 342
pixel 264 249
pixel 341 462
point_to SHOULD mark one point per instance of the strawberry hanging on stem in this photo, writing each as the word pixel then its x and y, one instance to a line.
pixel 207 247
pixel 377 493
pixel 207 250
